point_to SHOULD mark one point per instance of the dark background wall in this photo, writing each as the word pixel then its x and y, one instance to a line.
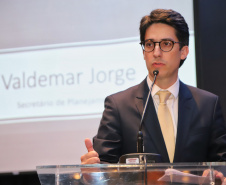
pixel 210 35
pixel 210 38
pixel 30 178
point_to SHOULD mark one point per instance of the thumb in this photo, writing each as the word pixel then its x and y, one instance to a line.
pixel 89 145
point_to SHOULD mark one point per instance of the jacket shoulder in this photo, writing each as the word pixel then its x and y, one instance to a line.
pixel 134 91
pixel 200 92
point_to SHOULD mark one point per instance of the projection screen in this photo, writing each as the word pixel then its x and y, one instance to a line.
pixel 58 62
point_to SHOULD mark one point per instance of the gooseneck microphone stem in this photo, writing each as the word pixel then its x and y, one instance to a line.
pixel 140 144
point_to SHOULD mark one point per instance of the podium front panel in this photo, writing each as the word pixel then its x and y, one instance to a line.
pixel 133 174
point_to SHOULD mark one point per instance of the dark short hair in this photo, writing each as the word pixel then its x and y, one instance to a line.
pixel 171 18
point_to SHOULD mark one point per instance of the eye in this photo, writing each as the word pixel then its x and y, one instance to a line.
pixel 149 44
pixel 167 43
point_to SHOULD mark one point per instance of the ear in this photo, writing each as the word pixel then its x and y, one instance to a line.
pixel 184 52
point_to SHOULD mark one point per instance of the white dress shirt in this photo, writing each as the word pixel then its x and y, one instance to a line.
pixel 172 102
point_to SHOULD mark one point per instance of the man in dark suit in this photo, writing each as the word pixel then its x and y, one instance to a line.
pixel 197 131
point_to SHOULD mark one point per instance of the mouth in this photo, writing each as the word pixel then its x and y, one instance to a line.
pixel 158 64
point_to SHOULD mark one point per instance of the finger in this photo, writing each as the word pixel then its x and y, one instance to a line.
pixel 89 145
pixel 93 160
pixel 206 172
pixel 224 181
pixel 220 176
pixel 89 155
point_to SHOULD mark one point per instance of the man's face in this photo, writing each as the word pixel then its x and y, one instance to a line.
pixel 167 63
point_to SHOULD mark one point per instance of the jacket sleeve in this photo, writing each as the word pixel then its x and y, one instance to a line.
pixel 217 147
pixel 108 140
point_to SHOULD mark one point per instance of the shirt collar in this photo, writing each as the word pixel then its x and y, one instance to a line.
pixel 173 89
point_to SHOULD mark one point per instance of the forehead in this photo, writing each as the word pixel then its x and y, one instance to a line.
pixel 159 31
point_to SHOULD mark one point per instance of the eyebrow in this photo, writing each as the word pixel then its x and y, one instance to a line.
pixel 161 39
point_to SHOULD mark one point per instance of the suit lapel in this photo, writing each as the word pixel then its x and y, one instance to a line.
pixel 151 127
pixel 184 119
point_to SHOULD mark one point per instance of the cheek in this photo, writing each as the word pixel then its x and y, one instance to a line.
pixel 147 60
pixel 147 56
pixel 144 54
pixel 147 64
pixel 176 57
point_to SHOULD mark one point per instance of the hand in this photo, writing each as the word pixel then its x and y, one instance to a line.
pixel 217 174
pixel 92 156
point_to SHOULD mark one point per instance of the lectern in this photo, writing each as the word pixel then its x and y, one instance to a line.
pixel 132 174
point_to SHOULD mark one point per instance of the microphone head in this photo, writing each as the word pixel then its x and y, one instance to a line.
pixel 155 72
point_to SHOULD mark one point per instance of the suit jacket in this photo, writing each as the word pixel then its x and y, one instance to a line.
pixel 201 132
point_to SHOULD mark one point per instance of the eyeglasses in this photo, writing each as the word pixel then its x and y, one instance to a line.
pixel 165 45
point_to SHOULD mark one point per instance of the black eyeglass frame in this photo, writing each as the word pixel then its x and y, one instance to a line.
pixel 143 42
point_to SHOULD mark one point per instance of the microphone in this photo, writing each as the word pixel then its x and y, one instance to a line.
pixel 140 144
pixel 140 157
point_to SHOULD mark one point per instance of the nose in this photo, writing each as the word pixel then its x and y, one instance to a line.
pixel 157 51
